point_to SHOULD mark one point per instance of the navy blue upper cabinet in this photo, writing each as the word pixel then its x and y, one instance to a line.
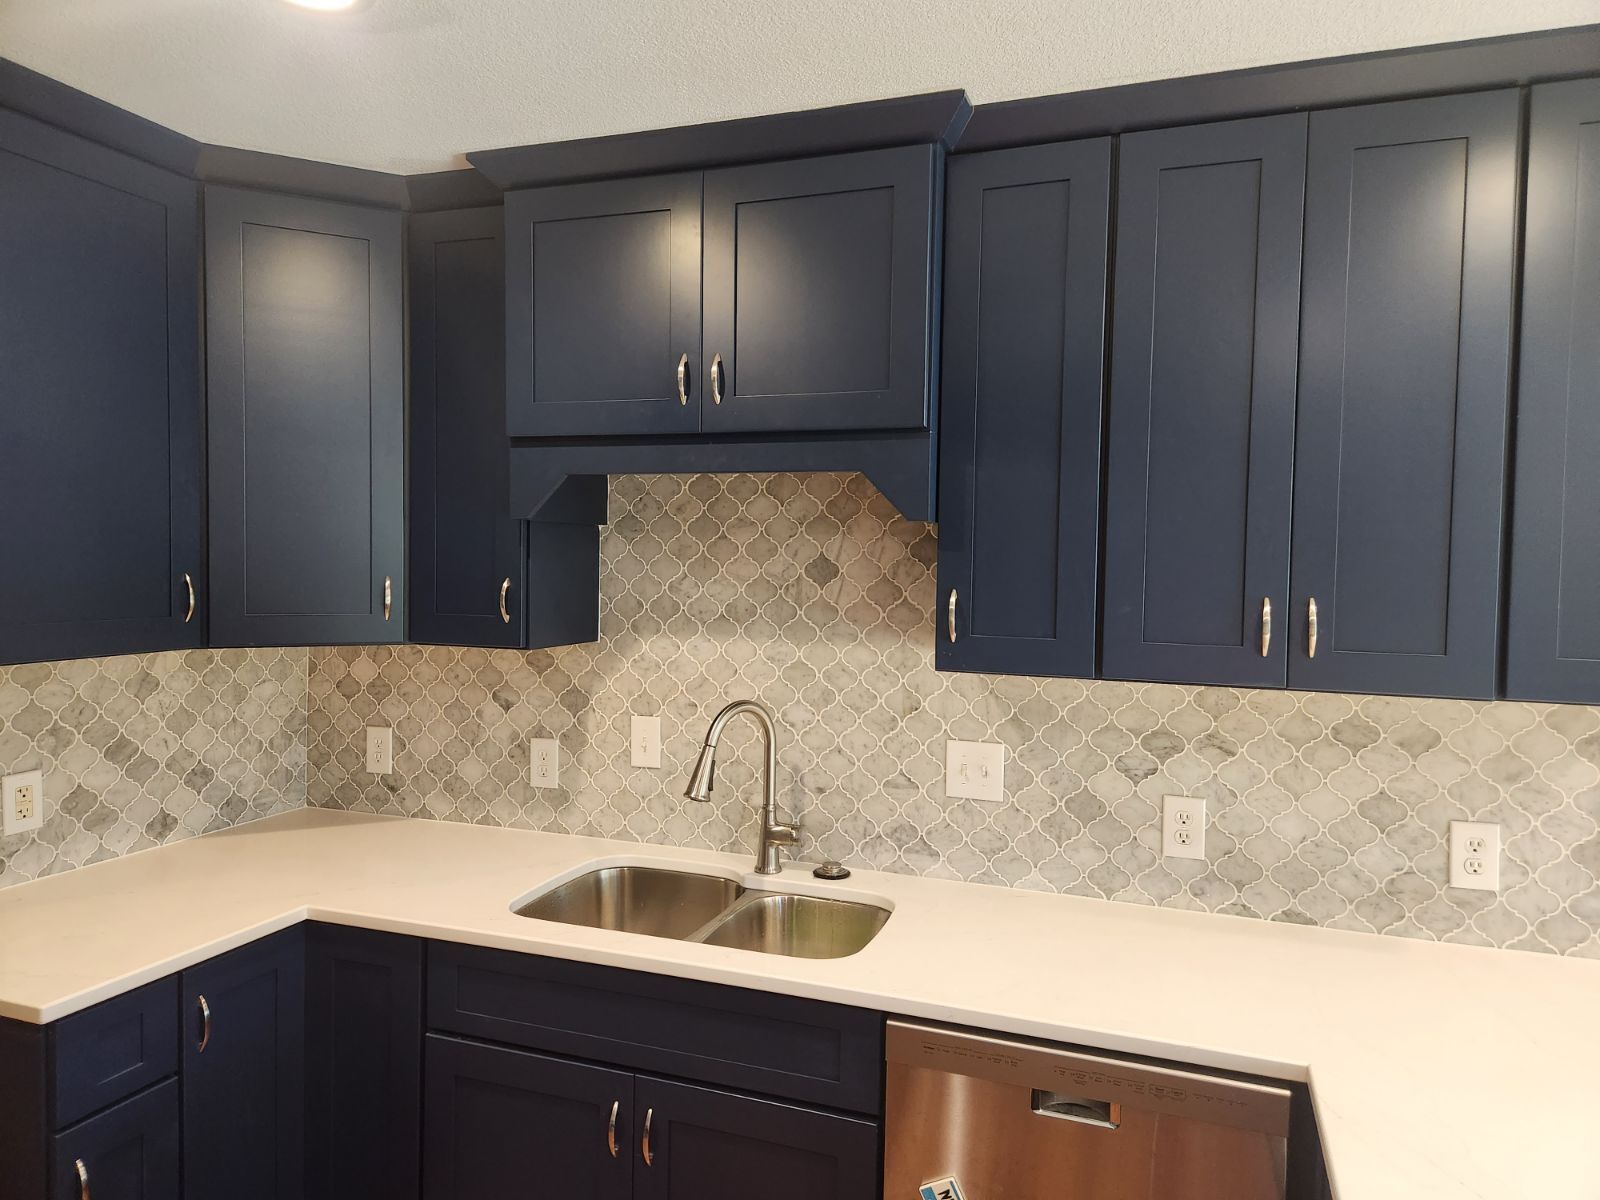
pixel 307 420
pixel 1400 458
pixel 1020 408
pixel 1553 627
pixel 244 1091
pixel 102 533
pixel 603 308
pixel 1201 425
pixel 818 285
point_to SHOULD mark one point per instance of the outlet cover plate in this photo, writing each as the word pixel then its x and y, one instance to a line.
pixel 1475 856
pixel 544 763
pixel 1183 827
pixel 24 782
pixel 380 750
pixel 975 771
pixel 644 740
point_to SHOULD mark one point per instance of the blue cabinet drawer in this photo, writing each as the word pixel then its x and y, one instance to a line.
pixel 112 1050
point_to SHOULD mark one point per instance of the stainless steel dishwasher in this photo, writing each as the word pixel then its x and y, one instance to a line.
pixel 970 1117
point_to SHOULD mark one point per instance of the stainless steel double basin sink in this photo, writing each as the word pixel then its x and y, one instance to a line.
pixel 709 909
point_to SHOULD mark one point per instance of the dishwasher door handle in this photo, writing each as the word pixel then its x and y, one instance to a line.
pixel 1104 1114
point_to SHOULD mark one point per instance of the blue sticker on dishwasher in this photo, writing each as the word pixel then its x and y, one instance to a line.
pixel 942 1189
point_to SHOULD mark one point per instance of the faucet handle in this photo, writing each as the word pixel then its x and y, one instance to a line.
pixel 780 834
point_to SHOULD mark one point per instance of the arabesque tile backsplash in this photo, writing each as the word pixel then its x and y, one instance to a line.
pixel 810 593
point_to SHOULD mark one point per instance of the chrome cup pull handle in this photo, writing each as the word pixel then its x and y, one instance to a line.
pixel 716 378
pixel 505 588
pixel 83 1178
pixel 205 1023
pixel 644 1142
pixel 1311 627
pixel 1266 625
pixel 950 615
pixel 188 582
pixel 611 1129
pixel 388 597
pixel 683 379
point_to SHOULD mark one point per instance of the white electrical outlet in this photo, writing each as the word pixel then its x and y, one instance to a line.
pixel 975 770
pixel 544 763
pixel 380 750
pixel 1183 827
pixel 644 741
pixel 1475 856
pixel 23 799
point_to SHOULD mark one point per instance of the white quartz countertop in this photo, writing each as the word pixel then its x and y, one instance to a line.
pixel 1435 1070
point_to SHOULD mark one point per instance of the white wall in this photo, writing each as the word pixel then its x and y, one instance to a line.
pixel 409 85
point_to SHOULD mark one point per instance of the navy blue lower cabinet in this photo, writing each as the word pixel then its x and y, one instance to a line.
pixel 127 1152
pixel 500 1122
pixel 102 531
pixel 1553 624
pixel 1401 434
pixel 1020 409
pixel 363 1063
pixel 244 1089
pixel 698 1143
pixel 1201 425
pixel 306 404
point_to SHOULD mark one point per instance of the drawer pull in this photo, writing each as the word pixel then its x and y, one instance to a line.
pixel 1266 625
pixel 505 588
pixel 683 380
pixel 1311 627
pixel 951 615
pixel 716 378
pixel 611 1129
pixel 388 597
pixel 188 582
pixel 83 1178
pixel 205 1024
pixel 644 1142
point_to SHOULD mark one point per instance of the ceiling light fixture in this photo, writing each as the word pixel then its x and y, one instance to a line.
pixel 327 5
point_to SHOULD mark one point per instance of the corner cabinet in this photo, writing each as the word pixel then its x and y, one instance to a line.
pixel 101 422
pixel 478 576
pixel 306 401
pixel 778 297
pixel 1026 237
pixel 1553 630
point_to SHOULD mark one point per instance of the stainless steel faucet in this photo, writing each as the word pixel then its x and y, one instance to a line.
pixel 774 833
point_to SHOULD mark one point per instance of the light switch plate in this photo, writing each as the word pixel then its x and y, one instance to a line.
pixel 1183 827
pixel 380 750
pixel 644 741
pixel 1475 856
pixel 544 763
pixel 22 796
pixel 975 771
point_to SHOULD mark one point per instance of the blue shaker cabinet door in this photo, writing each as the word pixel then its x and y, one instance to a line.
pixel 818 293
pixel 603 308
pixel 1201 424
pixel 1405 352
pixel 1020 409
pixel 1553 630
pixel 307 421
pixel 101 531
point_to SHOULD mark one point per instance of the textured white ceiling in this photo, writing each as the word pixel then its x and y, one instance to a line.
pixel 410 85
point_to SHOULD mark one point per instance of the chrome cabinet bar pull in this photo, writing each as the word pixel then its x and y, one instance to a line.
pixel 644 1143
pixel 716 378
pixel 205 1024
pixel 1266 625
pixel 188 582
pixel 611 1129
pixel 83 1178
pixel 388 597
pixel 505 587
pixel 950 614
pixel 1311 627
pixel 683 380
